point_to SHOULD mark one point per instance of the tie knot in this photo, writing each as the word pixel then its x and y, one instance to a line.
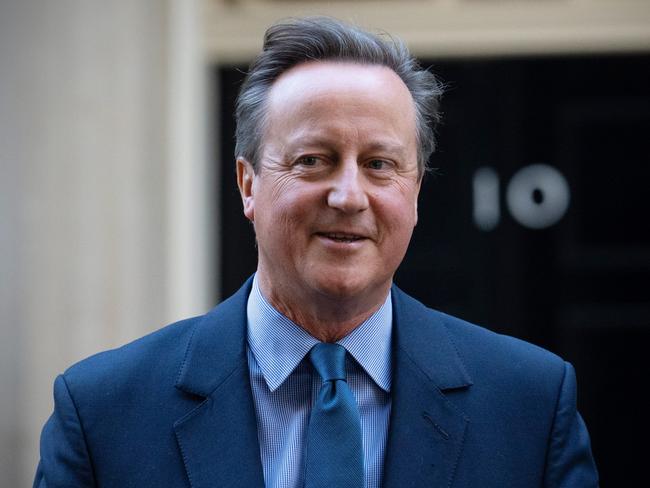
pixel 329 361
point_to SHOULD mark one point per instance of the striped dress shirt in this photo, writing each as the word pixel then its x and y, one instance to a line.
pixel 285 387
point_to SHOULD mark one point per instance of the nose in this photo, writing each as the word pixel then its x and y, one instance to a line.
pixel 347 192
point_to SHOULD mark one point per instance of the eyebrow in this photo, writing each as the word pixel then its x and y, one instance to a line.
pixel 389 147
pixel 378 146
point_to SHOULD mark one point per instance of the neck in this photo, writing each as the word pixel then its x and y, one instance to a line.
pixel 327 318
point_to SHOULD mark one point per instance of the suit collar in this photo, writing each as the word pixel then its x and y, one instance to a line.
pixel 218 439
pixel 422 336
pixel 427 429
pixel 217 346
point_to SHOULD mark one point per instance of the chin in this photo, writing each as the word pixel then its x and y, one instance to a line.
pixel 345 285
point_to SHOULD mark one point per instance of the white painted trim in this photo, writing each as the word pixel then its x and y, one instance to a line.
pixel 449 28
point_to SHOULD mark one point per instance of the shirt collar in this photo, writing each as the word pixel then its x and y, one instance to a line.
pixel 279 344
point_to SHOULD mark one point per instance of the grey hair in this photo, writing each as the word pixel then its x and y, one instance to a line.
pixel 294 41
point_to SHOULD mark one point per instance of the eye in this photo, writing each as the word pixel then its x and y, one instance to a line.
pixel 307 160
pixel 378 164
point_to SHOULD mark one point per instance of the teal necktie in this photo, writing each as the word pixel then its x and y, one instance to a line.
pixel 334 449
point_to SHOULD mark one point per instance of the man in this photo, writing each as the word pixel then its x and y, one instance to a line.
pixel 319 371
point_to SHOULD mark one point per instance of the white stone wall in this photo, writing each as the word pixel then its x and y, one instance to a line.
pixel 101 180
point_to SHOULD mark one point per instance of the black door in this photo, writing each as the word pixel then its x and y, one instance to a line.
pixel 534 224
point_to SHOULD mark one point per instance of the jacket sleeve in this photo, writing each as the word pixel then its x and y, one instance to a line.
pixel 65 460
pixel 569 462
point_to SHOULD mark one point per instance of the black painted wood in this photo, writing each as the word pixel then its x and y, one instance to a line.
pixel 581 287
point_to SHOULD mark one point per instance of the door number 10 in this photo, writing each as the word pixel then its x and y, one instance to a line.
pixel 537 197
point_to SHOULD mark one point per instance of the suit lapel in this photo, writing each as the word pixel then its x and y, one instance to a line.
pixel 218 439
pixel 426 429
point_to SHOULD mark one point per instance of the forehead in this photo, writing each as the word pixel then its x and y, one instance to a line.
pixel 341 90
pixel 322 78
pixel 340 76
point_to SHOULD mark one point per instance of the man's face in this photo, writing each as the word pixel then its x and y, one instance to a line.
pixel 334 200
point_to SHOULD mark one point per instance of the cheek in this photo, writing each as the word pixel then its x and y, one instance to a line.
pixel 398 222
pixel 402 197
pixel 290 212
pixel 402 211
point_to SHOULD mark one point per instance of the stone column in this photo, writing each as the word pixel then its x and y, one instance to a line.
pixel 98 173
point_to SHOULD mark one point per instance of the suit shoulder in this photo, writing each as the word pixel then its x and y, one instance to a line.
pixel 504 360
pixel 160 352
pixel 481 349
pixel 481 340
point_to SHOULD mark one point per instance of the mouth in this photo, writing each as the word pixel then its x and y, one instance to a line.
pixel 341 236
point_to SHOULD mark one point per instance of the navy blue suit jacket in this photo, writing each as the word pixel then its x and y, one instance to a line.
pixel 471 409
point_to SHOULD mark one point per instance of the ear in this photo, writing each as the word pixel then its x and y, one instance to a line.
pixel 245 179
